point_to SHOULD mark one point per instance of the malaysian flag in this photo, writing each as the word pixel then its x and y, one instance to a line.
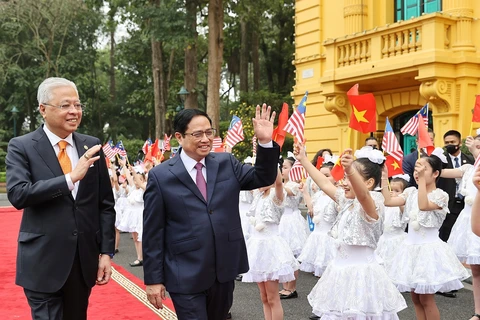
pixel 108 151
pixel 254 145
pixel 390 143
pixel 120 149
pixel 411 127
pixel 147 144
pixel 297 172
pixel 166 142
pixel 235 132
pixel 217 143
pixel 296 124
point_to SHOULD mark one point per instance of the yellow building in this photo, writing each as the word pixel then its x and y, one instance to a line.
pixel 405 52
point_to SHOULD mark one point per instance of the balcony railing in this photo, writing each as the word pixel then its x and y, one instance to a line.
pixel 398 39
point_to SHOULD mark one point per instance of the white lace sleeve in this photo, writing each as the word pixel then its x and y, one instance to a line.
pixel 379 200
pixel 404 195
pixel 435 218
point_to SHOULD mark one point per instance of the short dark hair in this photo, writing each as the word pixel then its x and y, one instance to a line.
pixel 290 159
pixel 371 138
pixel 183 118
pixel 430 130
pixel 328 165
pixel 453 133
pixel 402 181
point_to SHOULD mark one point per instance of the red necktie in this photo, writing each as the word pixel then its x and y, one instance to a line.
pixel 200 180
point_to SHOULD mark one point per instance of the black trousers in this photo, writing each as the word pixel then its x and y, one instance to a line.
pixel 450 219
pixel 69 303
pixel 212 304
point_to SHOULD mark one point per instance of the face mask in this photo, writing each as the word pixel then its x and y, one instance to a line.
pixel 451 148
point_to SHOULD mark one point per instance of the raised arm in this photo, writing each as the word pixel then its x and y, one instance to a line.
pixel 389 200
pixel 320 179
pixel 423 203
pixel 307 198
pixel 451 173
pixel 476 204
pixel 470 143
pixel 358 185
pixel 279 186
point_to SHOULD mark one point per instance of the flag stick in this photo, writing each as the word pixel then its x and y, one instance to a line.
pixel 471 128
pixel 349 132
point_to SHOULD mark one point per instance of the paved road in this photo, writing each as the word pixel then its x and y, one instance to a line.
pixel 247 305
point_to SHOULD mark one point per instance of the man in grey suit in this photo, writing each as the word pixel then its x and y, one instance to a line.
pixel 193 245
pixel 67 233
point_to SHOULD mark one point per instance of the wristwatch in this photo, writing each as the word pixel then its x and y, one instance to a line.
pixel 108 254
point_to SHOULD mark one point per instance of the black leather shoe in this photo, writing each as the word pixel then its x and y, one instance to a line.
pixel 450 294
pixel 229 315
pixel 291 295
pixel 239 277
pixel 136 263
pixel 314 317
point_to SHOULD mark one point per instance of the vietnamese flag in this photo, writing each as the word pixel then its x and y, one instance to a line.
pixel 337 171
pixel 364 111
pixel 155 149
pixel 278 133
pixel 319 163
pixel 476 110
pixel 394 166
pixel 424 140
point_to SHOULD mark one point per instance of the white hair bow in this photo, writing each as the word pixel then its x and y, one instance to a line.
pixel 405 177
pixel 439 153
pixel 291 155
pixel 330 159
pixel 374 155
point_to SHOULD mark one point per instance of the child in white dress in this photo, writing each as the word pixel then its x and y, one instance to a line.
pixel 424 264
pixel 355 285
pixel 269 256
pixel 394 226
pixel 293 226
pixel 319 248
pixel 463 241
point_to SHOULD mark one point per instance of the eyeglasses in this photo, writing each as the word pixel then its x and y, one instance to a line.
pixel 66 106
pixel 209 133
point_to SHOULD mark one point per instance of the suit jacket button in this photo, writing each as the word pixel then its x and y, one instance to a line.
pixel 74 232
pixel 210 211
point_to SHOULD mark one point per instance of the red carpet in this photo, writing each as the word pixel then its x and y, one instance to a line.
pixel 121 299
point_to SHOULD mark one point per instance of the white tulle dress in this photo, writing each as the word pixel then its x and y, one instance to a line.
pixel 293 226
pixel 424 263
pixel 132 220
pixel 245 201
pixel 319 248
pixel 121 203
pixel 269 255
pixel 393 236
pixel 355 285
pixel 463 241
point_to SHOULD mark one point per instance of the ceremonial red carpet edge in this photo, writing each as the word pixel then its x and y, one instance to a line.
pixel 123 298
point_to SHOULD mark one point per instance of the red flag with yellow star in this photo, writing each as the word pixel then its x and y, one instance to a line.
pixel 394 166
pixel 364 111
pixel 337 171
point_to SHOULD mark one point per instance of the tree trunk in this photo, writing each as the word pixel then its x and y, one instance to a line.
pixel 243 56
pixel 158 88
pixel 191 66
pixel 255 61
pixel 112 67
pixel 215 59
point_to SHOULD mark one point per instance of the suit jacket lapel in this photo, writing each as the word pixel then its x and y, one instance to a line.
pixel 45 150
pixel 212 170
pixel 178 169
pixel 80 144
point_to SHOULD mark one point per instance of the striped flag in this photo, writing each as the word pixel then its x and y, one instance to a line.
pixel 217 143
pixel 120 149
pixel 166 143
pixel 254 145
pixel 235 132
pixel 296 124
pixel 108 151
pixel 390 143
pixel 297 172
pixel 146 145
pixel 411 127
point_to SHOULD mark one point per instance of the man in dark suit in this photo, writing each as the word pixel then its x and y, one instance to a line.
pixel 67 233
pixel 456 202
pixel 193 245
pixel 408 164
